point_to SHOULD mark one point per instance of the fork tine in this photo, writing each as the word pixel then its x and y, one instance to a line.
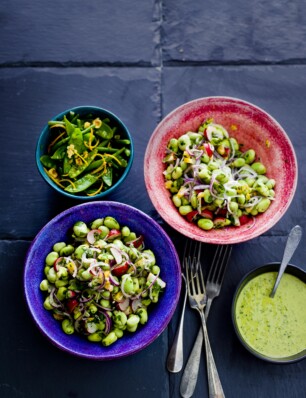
pixel 192 275
pixel 187 270
pixel 202 280
pixel 219 263
pixel 189 250
pixel 196 266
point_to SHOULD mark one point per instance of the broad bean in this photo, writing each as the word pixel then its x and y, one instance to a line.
pixel 67 326
pixel 111 223
pixel 205 223
pixel 51 258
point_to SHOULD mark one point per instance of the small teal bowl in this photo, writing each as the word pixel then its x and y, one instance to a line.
pixel 43 142
pixel 155 239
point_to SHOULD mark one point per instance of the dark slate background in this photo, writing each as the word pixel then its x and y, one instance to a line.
pixel 140 59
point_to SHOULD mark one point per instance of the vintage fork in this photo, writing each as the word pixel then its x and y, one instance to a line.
pixel 175 356
pixel 213 287
pixel 197 300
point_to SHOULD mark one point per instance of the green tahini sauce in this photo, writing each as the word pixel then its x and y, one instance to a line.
pixel 275 327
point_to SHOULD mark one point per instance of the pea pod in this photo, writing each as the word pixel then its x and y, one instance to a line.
pixel 69 126
pixel 108 177
pixel 76 139
pixel 76 170
pixel 66 165
pixel 59 153
pixel 59 143
pixel 82 184
pixel 105 131
pixel 47 161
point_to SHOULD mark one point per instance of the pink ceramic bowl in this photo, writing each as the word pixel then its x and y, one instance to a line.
pixel 252 127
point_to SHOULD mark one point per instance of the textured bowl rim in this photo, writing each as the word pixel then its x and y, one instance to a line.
pixel 60 116
pixel 269 267
pixel 203 236
pixel 164 321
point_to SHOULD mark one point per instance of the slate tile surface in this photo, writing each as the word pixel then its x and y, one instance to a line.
pixel 239 31
pixel 101 32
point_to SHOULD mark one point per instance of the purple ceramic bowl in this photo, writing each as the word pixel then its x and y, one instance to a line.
pixel 155 239
pixel 252 127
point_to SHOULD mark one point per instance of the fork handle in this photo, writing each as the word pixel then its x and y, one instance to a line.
pixel 175 357
pixel 214 384
pixel 191 371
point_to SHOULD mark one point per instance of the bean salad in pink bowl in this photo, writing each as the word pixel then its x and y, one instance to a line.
pixel 220 170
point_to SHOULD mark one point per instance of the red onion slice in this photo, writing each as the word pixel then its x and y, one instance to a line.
pixel 123 306
pixel 94 265
pixel 53 299
pixel 122 286
pixel 136 304
pixel 91 236
pixel 136 243
pixel 149 287
pixel 117 254
pixel 108 322
pixel 113 280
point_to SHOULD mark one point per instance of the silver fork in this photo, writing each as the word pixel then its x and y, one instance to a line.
pixel 213 287
pixel 197 300
pixel 175 356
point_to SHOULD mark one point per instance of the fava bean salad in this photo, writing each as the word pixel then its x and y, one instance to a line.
pixel 213 183
pixel 85 154
pixel 102 283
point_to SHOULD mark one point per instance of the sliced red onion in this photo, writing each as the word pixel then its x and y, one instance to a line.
pixel 233 152
pixel 199 154
pixel 113 280
pixel 53 299
pixel 244 172
pixel 201 186
pixel 122 286
pixel 122 252
pixel 87 260
pixel 91 236
pixel 59 259
pixel 211 188
pixel 102 307
pixel 133 266
pixel 108 322
pixel 96 264
pixel 252 202
pixel 151 284
pixel 123 305
pixel 136 242
pixel 136 304
pixel 117 254
pixel 85 300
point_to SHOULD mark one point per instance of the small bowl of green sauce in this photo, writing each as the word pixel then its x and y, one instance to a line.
pixel 273 329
